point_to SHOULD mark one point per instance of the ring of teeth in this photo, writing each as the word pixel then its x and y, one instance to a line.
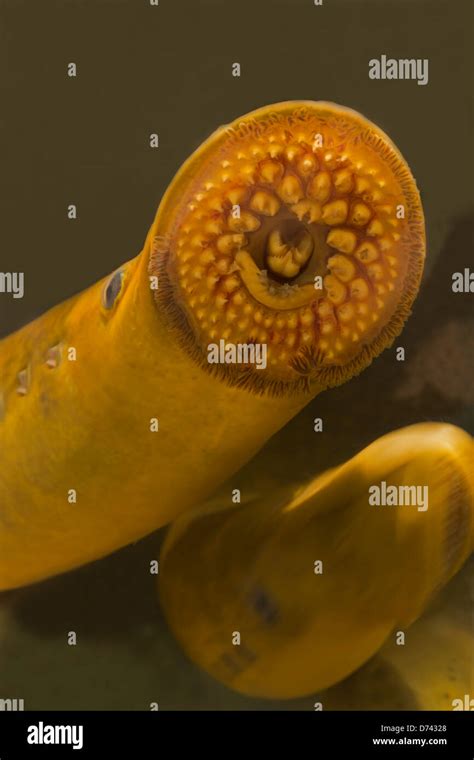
pixel 334 279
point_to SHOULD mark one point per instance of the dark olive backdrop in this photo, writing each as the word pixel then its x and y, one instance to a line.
pixel 167 69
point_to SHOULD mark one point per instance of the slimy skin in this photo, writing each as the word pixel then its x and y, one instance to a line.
pixel 85 425
pixel 284 195
pixel 251 569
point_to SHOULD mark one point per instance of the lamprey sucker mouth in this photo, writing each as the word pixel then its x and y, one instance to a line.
pixel 302 229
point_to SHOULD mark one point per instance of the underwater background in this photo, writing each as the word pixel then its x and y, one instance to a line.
pixel 167 69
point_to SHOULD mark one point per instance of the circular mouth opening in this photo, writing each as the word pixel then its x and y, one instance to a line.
pixel 291 252
pixel 293 232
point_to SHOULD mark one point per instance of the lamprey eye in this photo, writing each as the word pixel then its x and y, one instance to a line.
pixel 112 289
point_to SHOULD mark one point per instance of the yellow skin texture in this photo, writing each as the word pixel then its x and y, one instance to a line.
pixel 85 424
pixel 250 569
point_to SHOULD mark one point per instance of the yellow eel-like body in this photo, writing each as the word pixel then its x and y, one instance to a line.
pixel 298 228
pixel 289 592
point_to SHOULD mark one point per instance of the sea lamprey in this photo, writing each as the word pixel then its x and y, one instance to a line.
pixel 294 589
pixel 299 228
